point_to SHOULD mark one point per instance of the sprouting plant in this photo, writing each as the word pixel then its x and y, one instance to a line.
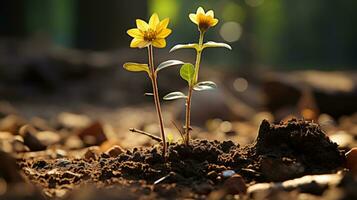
pixel 188 71
pixel 149 35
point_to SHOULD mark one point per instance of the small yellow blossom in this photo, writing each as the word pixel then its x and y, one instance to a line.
pixel 152 33
pixel 203 20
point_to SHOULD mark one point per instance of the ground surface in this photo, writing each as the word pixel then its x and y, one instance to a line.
pixel 203 170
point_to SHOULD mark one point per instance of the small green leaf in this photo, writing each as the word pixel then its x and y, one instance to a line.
pixel 187 72
pixel 168 63
pixel 149 94
pixel 216 44
pixel 174 95
pixel 136 67
pixel 184 46
pixel 205 85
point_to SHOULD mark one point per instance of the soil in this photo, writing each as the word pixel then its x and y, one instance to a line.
pixel 280 152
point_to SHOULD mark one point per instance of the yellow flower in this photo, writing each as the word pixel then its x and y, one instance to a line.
pixel 203 20
pixel 153 33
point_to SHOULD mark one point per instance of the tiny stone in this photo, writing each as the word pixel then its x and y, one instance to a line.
pixel 114 151
pixel 91 153
pixel 228 173
pixel 212 175
pixel 235 185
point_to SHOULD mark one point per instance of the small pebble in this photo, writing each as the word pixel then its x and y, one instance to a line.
pixel 93 134
pixel 212 175
pixel 91 153
pixel 28 134
pixel 228 173
pixel 235 185
pixel 114 151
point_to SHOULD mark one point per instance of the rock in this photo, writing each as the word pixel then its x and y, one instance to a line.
pixel 92 153
pixel 18 145
pixel 74 142
pixel 212 175
pixel 48 137
pixel 30 139
pixel 11 123
pixel 351 160
pixel 313 184
pixel 342 138
pixel 73 121
pixel 93 134
pixel 228 173
pixel 114 151
pixel 235 185
pixel 41 124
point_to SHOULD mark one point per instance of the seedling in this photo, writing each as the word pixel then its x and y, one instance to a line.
pixel 150 35
pixel 189 72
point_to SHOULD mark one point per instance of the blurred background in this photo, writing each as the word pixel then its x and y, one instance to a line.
pixel 289 58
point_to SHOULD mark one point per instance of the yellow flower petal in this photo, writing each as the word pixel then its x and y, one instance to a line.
pixel 200 10
pixel 214 22
pixel 210 13
pixel 154 21
pixel 142 25
pixel 193 18
pixel 164 33
pixel 159 43
pixel 138 43
pixel 163 24
pixel 135 33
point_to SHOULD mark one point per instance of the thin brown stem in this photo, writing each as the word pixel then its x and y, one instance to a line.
pixel 154 137
pixel 157 99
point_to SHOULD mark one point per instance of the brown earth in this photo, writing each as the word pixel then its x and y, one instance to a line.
pixel 280 152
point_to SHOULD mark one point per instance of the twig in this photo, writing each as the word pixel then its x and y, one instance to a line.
pixel 154 137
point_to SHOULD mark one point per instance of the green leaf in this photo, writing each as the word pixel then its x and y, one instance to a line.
pixel 174 95
pixel 216 44
pixel 136 67
pixel 205 85
pixel 187 72
pixel 168 63
pixel 184 46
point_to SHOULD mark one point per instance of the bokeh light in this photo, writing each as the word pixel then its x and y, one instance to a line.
pixel 231 31
pixel 240 84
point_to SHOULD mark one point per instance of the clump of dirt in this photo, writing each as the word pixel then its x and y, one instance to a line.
pixel 297 146
pixel 280 152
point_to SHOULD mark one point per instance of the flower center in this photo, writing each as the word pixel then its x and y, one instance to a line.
pixel 203 22
pixel 150 35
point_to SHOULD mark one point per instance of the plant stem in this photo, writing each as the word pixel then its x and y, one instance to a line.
pixel 190 90
pixel 188 116
pixel 198 57
pixel 153 78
